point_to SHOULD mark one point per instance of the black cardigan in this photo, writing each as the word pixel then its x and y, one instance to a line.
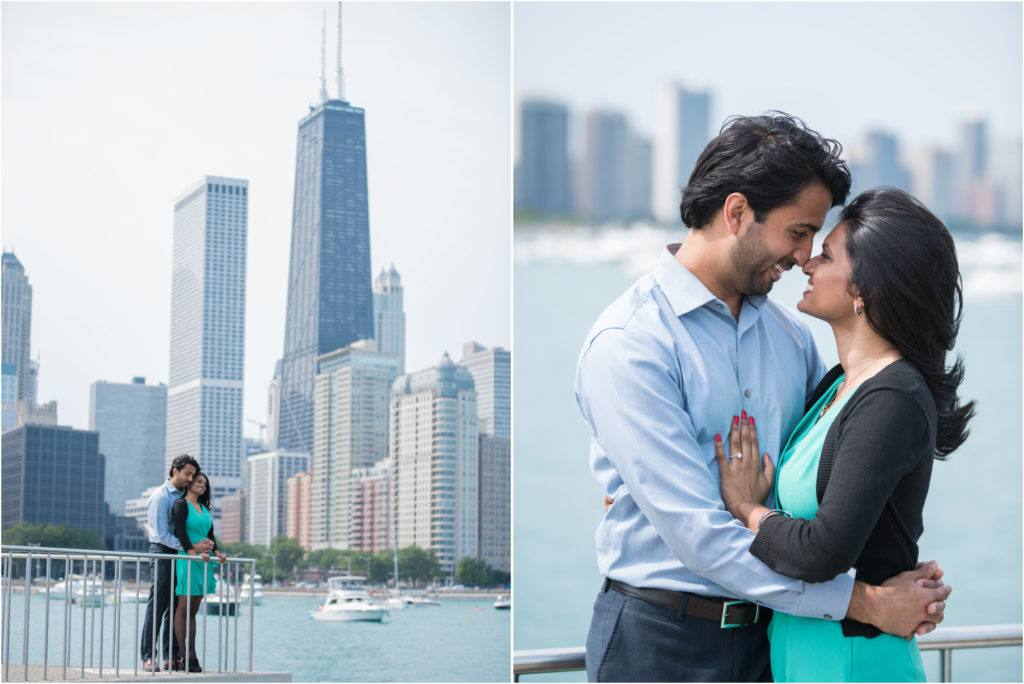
pixel 179 516
pixel 873 477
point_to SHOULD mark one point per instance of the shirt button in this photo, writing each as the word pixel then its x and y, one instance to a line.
pixel 719 305
pixel 827 616
pixel 747 394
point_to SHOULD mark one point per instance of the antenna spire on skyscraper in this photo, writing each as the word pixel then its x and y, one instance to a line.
pixel 323 59
pixel 341 76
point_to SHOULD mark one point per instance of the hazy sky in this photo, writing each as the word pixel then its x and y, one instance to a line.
pixel 914 68
pixel 111 110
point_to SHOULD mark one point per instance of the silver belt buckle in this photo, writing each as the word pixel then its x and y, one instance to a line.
pixel 725 613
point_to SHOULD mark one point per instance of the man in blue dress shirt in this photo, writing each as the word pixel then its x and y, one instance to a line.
pixel 159 608
pixel 665 368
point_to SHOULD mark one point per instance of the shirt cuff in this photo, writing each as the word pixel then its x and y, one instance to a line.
pixel 828 600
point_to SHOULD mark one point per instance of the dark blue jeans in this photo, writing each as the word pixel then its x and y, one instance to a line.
pixel 160 602
pixel 631 640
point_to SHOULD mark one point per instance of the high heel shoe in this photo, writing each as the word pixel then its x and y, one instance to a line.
pixel 178 664
pixel 193 666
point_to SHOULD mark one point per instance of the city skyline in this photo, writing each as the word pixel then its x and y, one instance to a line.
pixel 152 116
pixel 845 68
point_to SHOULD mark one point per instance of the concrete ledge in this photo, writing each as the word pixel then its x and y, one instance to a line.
pixel 55 673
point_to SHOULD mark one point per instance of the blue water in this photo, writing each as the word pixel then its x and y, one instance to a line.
pixel 973 514
pixel 462 640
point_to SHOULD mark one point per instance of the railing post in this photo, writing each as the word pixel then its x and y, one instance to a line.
pixel 173 577
pixel 7 617
pixel 46 620
pixel 220 622
pixel 117 616
pixel 238 606
pixel 103 605
pixel 188 610
pixel 252 606
pixel 155 626
pixel 947 665
pixel 85 575
pixel 28 611
pixel 206 612
pixel 135 641
pixel 67 617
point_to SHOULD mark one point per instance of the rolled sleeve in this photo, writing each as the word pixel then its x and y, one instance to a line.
pixel 630 393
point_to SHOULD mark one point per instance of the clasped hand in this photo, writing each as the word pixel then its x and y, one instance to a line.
pixel 746 474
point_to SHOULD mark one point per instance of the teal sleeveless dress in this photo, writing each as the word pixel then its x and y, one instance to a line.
pixel 197 526
pixel 809 649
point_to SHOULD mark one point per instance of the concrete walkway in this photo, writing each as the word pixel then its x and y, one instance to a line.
pixel 55 673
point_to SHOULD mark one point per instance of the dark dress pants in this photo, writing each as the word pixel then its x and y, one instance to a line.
pixel 160 602
pixel 631 640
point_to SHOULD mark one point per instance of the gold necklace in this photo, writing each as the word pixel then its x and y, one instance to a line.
pixel 849 383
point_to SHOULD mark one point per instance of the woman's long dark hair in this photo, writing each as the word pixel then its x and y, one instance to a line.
pixel 206 498
pixel 904 266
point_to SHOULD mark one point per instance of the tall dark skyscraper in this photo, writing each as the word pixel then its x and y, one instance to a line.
pixel 330 302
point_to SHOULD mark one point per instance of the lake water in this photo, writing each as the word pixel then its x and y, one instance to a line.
pixel 462 640
pixel 563 279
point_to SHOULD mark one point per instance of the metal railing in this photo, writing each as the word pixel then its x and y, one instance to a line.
pixel 944 640
pixel 89 591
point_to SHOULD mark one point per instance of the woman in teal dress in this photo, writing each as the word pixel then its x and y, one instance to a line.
pixel 192 522
pixel 851 482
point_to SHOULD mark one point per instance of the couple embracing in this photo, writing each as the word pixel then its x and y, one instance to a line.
pixel 752 496
pixel 179 522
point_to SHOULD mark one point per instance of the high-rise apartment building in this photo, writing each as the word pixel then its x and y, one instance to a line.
pixel 492 379
pixel 639 167
pixel 496 502
pixel 371 519
pixel 204 393
pixel 297 517
pixel 54 475
pixel 233 511
pixel 267 491
pixel 350 431
pixel 329 298
pixel 131 419
pixel 542 183
pixel 435 451
pixel 17 330
pixel 602 186
pixel 684 129
pixel 389 315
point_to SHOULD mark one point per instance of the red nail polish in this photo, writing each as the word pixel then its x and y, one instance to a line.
pixel 743 415
pixel 751 420
pixel 735 420
pixel 718 438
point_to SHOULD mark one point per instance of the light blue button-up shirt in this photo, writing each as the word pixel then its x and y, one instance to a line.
pixel 158 516
pixel 665 369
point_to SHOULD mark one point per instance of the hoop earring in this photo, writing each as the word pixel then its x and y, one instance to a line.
pixel 857 310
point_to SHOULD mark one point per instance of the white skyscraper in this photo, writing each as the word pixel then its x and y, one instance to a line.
pixel 436 455
pixel 131 419
pixel 684 121
pixel 389 315
pixel 492 378
pixel 350 430
pixel 204 394
pixel 268 494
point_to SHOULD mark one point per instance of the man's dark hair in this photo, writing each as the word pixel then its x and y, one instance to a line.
pixel 182 461
pixel 770 159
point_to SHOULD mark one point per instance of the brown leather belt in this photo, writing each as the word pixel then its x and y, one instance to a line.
pixel 725 612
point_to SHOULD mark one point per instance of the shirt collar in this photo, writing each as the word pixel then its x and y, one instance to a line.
pixel 685 292
pixel 171 489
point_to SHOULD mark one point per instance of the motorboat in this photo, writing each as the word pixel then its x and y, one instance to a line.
pixel 417 601
pixel 222 602
pixel 85 590
pixel 503 603
pixel 347 600
pixel 257 589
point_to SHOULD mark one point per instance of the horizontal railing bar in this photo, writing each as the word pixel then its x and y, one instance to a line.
pixel 543 660
pixel 21 552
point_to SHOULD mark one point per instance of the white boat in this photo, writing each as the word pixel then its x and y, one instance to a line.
pixel 503 603
pixel 347 600
pixel 85 591
pixel 417 601
pixel 257 591
pixel 216 604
